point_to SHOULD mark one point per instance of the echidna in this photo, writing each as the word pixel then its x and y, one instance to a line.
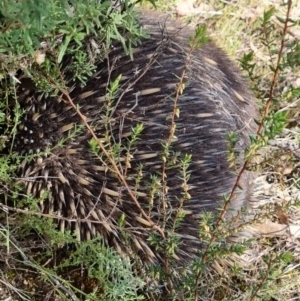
pixel 84 188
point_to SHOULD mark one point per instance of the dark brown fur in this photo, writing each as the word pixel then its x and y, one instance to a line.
pixel 215 100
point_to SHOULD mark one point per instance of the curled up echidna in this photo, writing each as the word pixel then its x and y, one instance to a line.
pixel 82 185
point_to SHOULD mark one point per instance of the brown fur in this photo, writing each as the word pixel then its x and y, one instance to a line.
pixel 215 100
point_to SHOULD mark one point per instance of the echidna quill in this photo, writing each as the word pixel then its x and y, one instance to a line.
pixel 84 188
